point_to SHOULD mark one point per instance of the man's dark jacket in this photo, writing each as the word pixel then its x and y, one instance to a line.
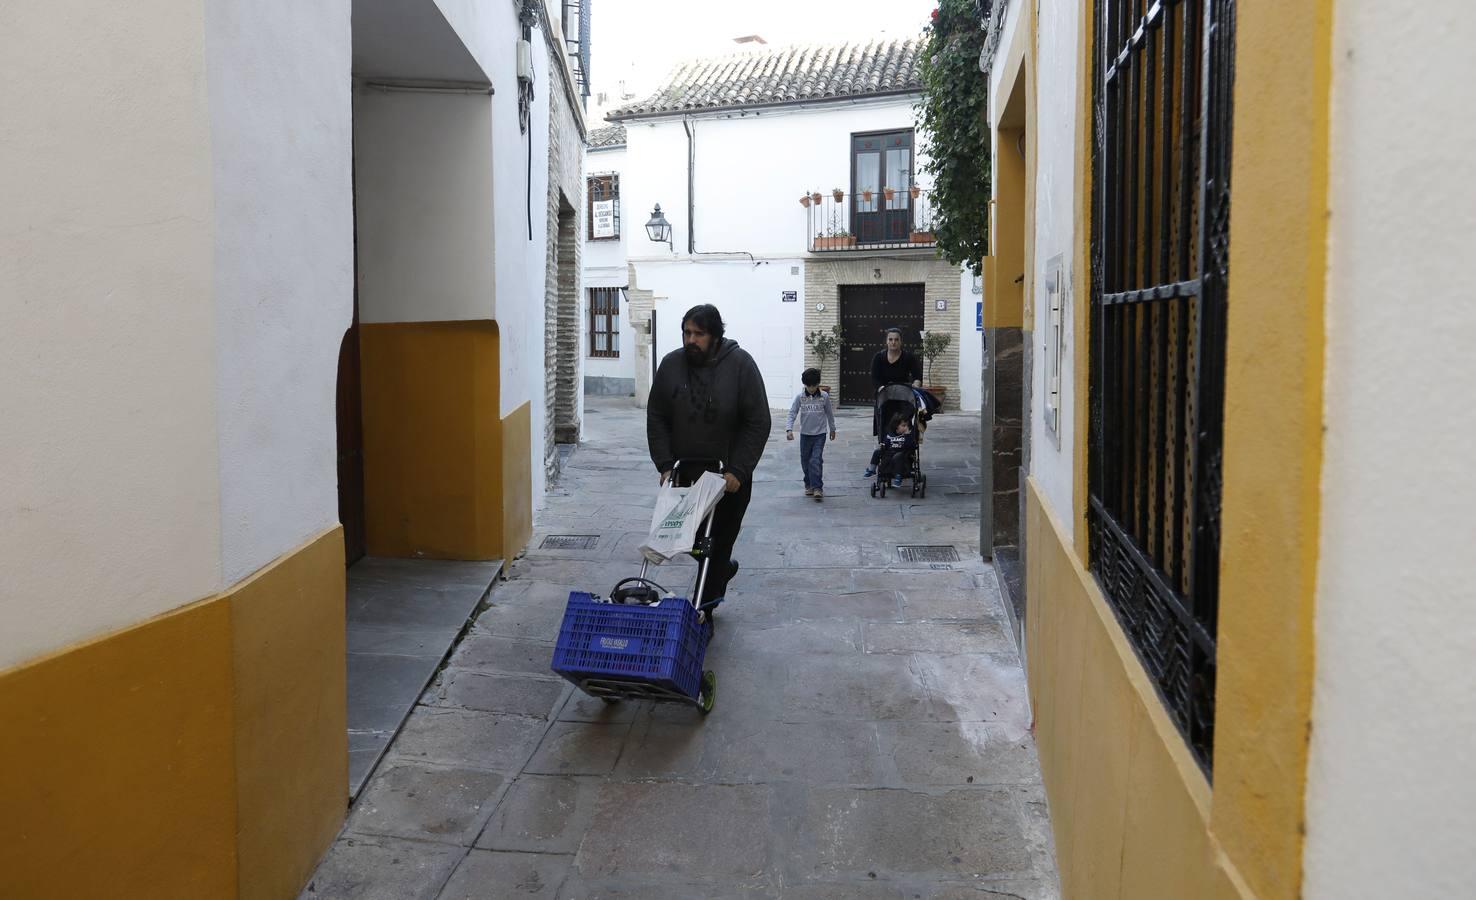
pixel 718 410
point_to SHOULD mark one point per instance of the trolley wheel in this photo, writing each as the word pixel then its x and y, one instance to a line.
pixel 883 486
pixel 708 693
pixel 914 487
pixel 924 491
pixel 873 489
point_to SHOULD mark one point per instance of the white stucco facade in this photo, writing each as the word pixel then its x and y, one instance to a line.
pixel 749 242
pixel 1391 801
pixel 175 254
pixel 283 278
pixel 605 266
pixel 1058 140
pixel 422 162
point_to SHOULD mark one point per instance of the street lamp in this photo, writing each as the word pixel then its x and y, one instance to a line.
pixel 658 229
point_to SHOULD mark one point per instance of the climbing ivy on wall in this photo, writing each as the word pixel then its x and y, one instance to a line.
pixel 951 113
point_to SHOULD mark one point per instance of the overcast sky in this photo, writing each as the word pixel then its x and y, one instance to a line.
pixel 638 41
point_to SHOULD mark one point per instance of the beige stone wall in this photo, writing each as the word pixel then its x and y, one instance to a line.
pixel 824 278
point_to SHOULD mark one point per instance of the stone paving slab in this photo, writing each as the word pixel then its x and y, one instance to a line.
pixel 871 737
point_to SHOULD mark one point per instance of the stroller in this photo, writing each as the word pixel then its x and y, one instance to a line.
pixel 643 642
pixel 895 399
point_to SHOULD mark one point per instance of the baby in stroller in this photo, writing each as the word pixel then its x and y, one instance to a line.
pixel 898 455
pixel 893 454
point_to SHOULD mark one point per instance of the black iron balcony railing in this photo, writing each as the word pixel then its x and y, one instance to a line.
pixel 868 220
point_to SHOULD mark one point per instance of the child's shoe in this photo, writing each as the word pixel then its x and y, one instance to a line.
pixel 870 471
pixel 896 481
pixel 819 494
pixel 809 492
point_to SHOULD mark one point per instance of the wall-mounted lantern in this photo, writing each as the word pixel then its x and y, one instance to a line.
pixel 658 229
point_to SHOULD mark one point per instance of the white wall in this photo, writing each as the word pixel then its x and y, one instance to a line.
pixel 749 298
pixel 604 265
pixel 108 457
pixel 1391 798
pixel 750 173
pixel 424 197
pixel 1051 456
pixel 283 282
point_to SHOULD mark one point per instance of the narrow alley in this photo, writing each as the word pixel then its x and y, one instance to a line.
pixel 870 739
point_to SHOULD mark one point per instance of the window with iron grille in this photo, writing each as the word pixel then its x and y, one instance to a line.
pixel 604 322
pixel 604 207
pixel 1161 212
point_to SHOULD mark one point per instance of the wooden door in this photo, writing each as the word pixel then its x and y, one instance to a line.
pixel 866 312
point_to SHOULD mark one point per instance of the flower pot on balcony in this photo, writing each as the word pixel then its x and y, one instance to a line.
pixel 816 197
pixel 922 237
pixel 805 201
pixel 915 191
pixel 838 194
pixel 837 242
pixel 866 196
pixel 889 193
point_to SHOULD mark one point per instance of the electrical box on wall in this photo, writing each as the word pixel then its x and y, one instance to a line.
pixel 525 61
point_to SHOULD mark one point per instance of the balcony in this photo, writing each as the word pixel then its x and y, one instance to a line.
pixel 896 220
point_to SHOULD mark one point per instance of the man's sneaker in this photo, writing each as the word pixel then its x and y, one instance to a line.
pixel 870 471
pixel 896 481
pixel 819 494
pixel 809 492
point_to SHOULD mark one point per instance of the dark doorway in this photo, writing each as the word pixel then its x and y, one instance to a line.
pixel 881 163
pixel 866 312
pixel 351 445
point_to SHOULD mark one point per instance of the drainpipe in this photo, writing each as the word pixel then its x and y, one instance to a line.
pixel 691 187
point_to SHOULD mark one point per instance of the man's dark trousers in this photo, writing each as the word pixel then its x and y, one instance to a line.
pixel 727 520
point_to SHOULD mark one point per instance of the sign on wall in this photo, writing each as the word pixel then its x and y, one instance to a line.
pixel 978 315
pixel 602 217
pixel 789 297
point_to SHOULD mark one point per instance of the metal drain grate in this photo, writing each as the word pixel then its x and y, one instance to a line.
pixel 569 542
pixel 927 553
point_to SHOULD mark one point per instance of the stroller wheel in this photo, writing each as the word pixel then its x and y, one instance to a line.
pixel 923 491
pixel 873 489
pixel 708 693
pixel 883 485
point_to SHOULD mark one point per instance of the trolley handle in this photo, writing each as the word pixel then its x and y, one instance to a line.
pixel 681 478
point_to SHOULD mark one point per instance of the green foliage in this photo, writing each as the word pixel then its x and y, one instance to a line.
pixel 825 344
pixel 934 343
pixel 952 115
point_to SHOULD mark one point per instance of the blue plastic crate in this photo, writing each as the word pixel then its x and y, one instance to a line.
pixel 660 645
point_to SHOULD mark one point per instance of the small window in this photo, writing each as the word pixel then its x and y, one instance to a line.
pixel 604 322
pixel 604 207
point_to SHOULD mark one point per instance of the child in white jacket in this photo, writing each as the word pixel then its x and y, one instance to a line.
pixel 812 406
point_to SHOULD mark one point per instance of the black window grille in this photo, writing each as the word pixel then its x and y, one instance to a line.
pixel 603 192
pixel 604 322
pixel 1163 73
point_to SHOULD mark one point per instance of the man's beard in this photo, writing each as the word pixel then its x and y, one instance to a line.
pixel 696 356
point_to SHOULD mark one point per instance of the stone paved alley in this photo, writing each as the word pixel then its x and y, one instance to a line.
pixel 870 739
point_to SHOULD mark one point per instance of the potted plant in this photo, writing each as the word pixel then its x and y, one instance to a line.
pixel 816 197
pixel 805 201
pixel 922 237
pixel 934 343
pixel 888 194
pixel 835 239
pixel 825 345
pixel 915 191
pixel 838 194
pixel 866 194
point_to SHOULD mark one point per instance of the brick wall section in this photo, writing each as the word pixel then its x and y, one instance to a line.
pixel 562 279
pixel 823 278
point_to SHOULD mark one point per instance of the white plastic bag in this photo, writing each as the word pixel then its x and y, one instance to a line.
pixel 678 513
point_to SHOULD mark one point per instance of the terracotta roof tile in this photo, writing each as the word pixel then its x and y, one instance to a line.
pixel 785 75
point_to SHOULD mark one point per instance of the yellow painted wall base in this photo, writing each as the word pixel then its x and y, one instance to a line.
pixel 517 490
pixel 433 462
pixel 199 754
pixel 1129 807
